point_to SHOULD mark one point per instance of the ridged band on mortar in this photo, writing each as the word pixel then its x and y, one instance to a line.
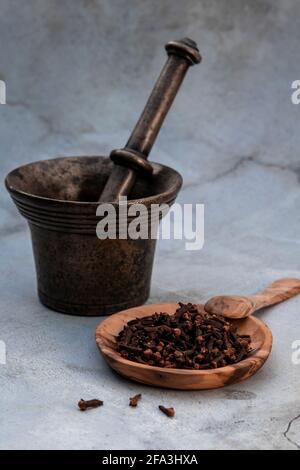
pixel 75 223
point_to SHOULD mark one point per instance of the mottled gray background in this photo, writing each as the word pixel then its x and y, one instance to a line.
pixel 78 73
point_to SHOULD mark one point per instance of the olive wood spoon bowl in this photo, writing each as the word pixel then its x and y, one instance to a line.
pixel 182 379
pixel 236 307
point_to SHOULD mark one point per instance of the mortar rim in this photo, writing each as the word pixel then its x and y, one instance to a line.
pixel 165 196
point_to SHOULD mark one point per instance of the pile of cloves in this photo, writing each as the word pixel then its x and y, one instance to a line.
pixel 189 339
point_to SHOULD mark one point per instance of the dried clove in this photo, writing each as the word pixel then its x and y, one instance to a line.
pixel 133 401
pixel 189 339
pixel 85 404
pixel 170 412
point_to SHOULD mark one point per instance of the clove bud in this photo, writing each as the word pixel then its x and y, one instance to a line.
pixel 85 404
pixel 133 401
pixel 170 412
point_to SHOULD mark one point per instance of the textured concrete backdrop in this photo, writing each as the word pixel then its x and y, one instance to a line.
pixel 78 73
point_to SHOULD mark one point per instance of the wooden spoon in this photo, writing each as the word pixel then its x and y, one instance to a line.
pixel 234 306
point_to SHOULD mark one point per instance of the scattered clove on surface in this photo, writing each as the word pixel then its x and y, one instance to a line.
pixel 133 401
pixel 85 404
pixel 170 412
pixel 191 338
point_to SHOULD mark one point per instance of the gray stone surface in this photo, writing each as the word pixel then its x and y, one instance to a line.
pixel 77 76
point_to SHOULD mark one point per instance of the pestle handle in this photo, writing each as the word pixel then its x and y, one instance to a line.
pixel 181 55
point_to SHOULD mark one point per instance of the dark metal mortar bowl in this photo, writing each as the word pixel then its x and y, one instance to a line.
pixel 77 273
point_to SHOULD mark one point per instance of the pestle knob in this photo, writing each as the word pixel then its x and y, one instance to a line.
pixel 132 159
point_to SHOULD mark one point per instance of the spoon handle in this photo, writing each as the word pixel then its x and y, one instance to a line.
pixel 277 292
